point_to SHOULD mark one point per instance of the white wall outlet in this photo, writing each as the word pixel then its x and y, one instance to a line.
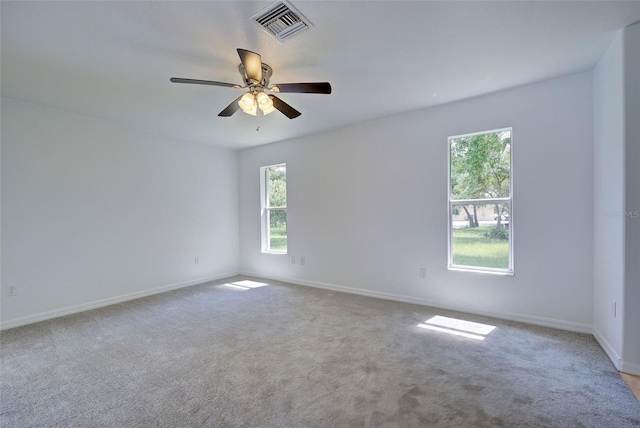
pixel 423 272
pixel 303 261
pixel 614 309
pixel 196 260
pixel 12 290
pixel 293 260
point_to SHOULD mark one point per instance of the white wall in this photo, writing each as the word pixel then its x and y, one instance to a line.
pixel 617 200
pixel 631 331
pixel 93 213
pixel 608 192
pixel 367 206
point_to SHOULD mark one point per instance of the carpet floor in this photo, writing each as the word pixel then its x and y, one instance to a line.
pixel 236 353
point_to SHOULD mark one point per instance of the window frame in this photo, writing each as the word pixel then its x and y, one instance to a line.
pixel 506 200
pixel 265 209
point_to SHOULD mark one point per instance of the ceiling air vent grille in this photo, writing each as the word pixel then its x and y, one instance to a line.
pixel 282 20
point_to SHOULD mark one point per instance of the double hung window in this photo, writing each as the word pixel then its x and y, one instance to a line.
pixel 273 184
pixel 480 202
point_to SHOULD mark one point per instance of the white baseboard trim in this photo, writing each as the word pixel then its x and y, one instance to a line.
pixel 30 319
pixel 630 368
pixel 527 319
pixel 607 348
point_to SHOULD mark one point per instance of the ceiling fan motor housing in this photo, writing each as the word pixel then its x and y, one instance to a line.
pixel 267 71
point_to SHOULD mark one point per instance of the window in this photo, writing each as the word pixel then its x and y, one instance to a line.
pixel 480 202
pixel 273 183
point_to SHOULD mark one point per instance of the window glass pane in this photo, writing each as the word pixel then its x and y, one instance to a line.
pixel 277 186
pixel 277 220
pixel 480 166
pixel 480 235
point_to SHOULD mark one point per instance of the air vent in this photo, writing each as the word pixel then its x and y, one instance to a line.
pixel 282 20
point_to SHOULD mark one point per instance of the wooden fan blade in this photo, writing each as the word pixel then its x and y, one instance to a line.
pixel 203 82
pixel 285 108
pixel 252 63
pixel 306 88
pixel 231 108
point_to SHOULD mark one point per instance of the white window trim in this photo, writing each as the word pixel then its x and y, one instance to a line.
pixel 451 202
pixel 264 212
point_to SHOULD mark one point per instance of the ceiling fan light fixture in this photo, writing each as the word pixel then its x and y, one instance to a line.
pixel 269 108
pixel 248 104
pixel 263 99
pixel 247 101
pixel 253 110
pixel 265 103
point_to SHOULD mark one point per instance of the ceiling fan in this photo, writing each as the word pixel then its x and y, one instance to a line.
pixel 256 75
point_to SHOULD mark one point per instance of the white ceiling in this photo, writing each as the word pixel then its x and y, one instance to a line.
pixel 113 60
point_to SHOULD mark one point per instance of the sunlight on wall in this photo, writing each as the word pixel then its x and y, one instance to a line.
pixel 457 327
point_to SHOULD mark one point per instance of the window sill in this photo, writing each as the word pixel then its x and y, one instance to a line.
pixel 479 270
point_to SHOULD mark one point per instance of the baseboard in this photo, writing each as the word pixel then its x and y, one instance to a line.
pixel 607 348
pixel 630 368
pixel 17 322
pixel 527 319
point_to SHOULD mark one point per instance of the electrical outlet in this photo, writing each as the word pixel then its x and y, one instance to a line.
pixel 303 261
pixel 293 260
pixel 614 309
pixel 12 291
pixel 196 260
pixel 423 272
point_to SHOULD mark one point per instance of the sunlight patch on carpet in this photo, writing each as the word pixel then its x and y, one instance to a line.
pixel 245 285
pixel 458 327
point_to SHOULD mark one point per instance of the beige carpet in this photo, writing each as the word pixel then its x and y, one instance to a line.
pixel 279 355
